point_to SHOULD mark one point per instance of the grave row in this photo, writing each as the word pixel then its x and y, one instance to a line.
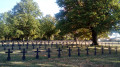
pixel 27 44
pixel 24 51
pixel 22 43
pixel 33 45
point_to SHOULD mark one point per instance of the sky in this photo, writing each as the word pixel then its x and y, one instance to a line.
pixel 46 6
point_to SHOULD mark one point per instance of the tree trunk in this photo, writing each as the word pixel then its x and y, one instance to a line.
pixel 94 37
pixel 8 38
pixel 75 39
pixel 5 38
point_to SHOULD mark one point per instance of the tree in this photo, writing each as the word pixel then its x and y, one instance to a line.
pixel 97 16
pixel 5 25
pixel 25 17
pixel 48 26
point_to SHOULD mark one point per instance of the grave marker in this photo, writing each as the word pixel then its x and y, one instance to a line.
pixel 18 43
pixel 69 54
pixel 87 49
pixel 19 46
pixel 13 43
pixel 23 57
pixel 33 45
pixel 23 43
pixel 45 45
pixel 56 45
pixel 109 50
pixel 51 44
pixel 78 51
pixel 95 50
pixel 62 44
pixel 102 49
pixel 2 43
pixel 67 44
pixel 116 50
pixel 9 58
pixel 59 54
pixel 37 55
pixel 72 45
pixel 27 45
pixel 4 47
pixel 48 52
pixel 12 47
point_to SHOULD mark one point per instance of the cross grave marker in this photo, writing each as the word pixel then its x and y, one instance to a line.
pixel 102 49
pixel 109 50
pixel 4 47
pixel 48 52
pixel 23 57
pixel 87 49
pixel 27 45
pixel 19 46
pixel 69 54
pixel 9 58
pixel 116 49
pixel 78 51
pixel 59 54
pixel 95 50
pixel 37 55
pixel 12 47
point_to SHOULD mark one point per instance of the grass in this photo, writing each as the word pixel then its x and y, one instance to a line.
pixel 106 60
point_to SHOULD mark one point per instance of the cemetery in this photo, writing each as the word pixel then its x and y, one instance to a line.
pixel 59 33
pixel 55 53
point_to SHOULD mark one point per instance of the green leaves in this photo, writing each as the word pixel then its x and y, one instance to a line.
pixel 100 15
pixel 47 27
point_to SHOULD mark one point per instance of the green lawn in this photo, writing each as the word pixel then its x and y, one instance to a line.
pixel 83 60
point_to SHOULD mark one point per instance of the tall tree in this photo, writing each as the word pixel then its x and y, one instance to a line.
pixel 26 14
pixel 97 16
pixel 48 26
pixel 6 26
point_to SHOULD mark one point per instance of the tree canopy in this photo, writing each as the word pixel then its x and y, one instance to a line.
pixel 97 16
pixel 24 22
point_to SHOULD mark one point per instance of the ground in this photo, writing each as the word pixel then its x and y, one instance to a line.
pixel 106 60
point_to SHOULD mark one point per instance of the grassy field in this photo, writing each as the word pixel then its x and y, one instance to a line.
pixel 106 60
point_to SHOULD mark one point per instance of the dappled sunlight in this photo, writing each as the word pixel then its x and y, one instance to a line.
pixel 105 48
pixel 91 47
pixel 42 50
pixel 2 52
pixel 44 64
pixel 34 50
pixel 115 61
pixel 16 51
pixel 17 63
pixel 98 47
pixel 62 64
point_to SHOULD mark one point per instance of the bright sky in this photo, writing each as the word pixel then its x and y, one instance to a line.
pixel 46 6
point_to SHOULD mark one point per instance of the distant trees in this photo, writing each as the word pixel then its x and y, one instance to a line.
pixel 5 26
pixel 48 27
pixel 25 21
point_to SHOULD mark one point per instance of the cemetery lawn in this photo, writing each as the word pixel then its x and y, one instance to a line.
pixel 106 60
